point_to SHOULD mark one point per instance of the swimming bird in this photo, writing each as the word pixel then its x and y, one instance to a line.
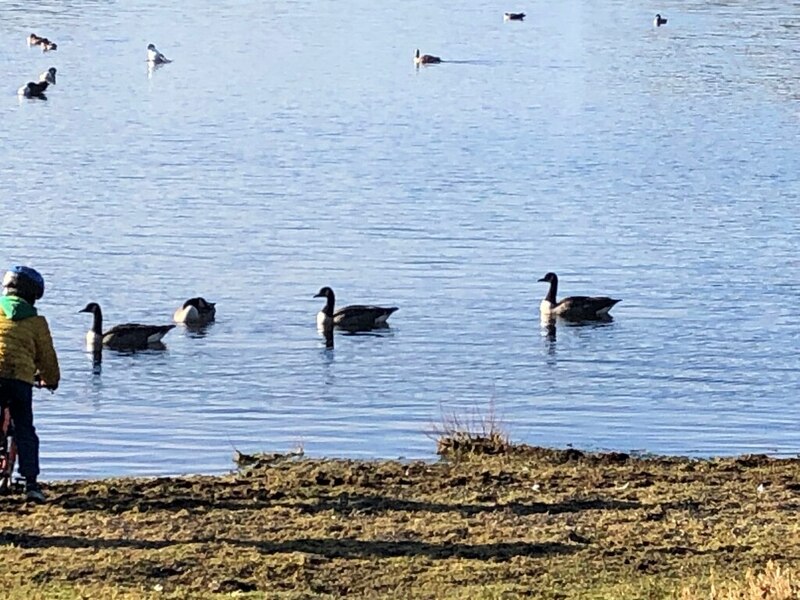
pixel 129 336
pixel 352 318
pixel 34 89
pixel 195 311
pixel 426 59
pixel 36 40
pixel 513 16
pixel 574 308
pixel 659 21
pixel 155 57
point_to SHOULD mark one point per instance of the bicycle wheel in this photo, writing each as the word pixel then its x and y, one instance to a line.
pixel 7 453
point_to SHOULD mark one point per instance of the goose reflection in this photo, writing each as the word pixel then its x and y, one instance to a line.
pixel 549 327
pixel 548 331
pixel 198 330
pixel 97 361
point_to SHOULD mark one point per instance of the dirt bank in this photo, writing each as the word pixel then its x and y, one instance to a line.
pixel 530 522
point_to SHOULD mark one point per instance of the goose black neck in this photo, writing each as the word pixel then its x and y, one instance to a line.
pixel 328 310
pixel 551 293
pixel 97 323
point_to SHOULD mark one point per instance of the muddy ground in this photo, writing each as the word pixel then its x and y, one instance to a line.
pixel 528 523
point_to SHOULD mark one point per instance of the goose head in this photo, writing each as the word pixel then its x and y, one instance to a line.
pixel 49 76
pixel 200 304
pixel 324 292
pixel 152 47
pixel 549 277
pixel 92 307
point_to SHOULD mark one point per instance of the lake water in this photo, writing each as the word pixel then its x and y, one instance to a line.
pixel 292 145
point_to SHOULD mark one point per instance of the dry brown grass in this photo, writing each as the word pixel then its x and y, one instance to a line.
pixel 773 583
pixel 477 433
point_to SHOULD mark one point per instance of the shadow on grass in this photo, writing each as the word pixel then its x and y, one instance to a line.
pixel 348 503
pixel 329 548
pixel 341 503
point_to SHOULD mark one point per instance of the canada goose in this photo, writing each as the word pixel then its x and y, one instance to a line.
pixel 575 308
pixel 155 57
pixel 659 21
pixel 37 40
pixel 130 336
pixel 426 59
pixel 49 76
pixel 34 89
pixel 195 311
pixel 352 318
pixel 513 16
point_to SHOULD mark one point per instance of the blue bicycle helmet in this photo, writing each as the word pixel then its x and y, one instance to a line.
pixel 25 281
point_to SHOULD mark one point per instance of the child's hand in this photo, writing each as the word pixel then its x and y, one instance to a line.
pixel 41 383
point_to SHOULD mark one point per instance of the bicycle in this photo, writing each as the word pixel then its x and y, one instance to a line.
pixel 8 447
pixel 8 451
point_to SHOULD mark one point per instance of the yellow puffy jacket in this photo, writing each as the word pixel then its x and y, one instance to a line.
pixel 26 346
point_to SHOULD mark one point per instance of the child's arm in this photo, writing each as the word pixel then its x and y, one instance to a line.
pixel 46 359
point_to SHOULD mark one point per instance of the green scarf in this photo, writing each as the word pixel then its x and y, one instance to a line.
pixel 16 308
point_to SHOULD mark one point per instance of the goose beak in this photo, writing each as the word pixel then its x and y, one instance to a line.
pixel 543 279
pixel 82 310
pixel 319 295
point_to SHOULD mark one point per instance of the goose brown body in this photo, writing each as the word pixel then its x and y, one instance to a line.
pixel 37 40
pixel 426 59
pixel 574 308
pixel 128 336
pixel 356 317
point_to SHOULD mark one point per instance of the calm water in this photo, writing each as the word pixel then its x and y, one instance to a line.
pixel 293 145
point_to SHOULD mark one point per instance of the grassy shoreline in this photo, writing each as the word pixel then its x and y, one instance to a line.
pixel 521 522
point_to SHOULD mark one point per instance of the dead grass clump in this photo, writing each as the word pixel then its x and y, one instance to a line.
pixel 474 435
pixel 773 583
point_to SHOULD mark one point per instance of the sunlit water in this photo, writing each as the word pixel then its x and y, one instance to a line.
pixel 292 145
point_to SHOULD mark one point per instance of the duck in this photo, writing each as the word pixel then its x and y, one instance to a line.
pixel 129 336
pixel 34 89
pixel 426 59
pixel 355 317
pixel 37 40
pixel 574 308
pixel 195 311
pixel 513 16
pixel 155 57
pixel 659 21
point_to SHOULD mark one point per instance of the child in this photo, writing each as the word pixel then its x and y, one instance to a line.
pixel 27 357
